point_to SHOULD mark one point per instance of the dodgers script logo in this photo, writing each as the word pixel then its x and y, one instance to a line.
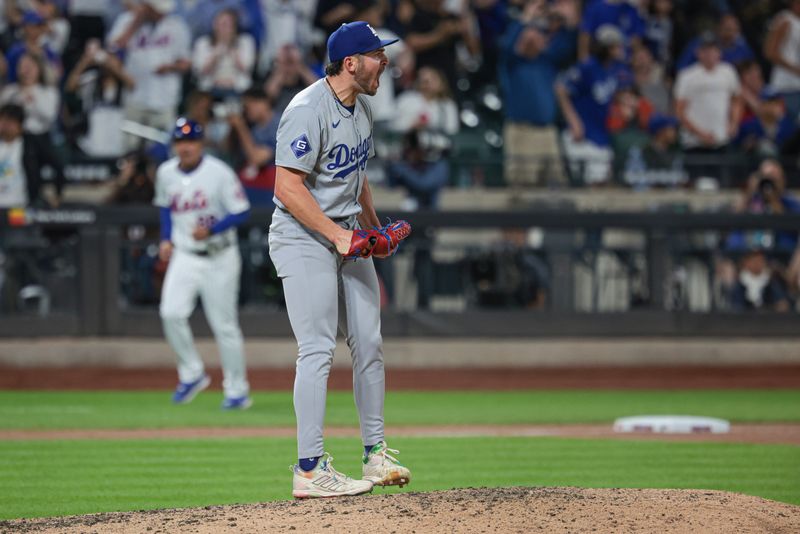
pixel 348 158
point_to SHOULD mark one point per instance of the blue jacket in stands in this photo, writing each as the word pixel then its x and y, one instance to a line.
pixel 527 84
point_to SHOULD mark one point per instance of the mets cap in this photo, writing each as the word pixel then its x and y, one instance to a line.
pixel 187 130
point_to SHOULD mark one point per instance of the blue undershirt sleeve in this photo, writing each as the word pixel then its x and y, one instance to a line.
pixel 229 221
pixel 166 224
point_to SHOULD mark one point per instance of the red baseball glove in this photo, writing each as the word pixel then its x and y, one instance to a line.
pixel 379 242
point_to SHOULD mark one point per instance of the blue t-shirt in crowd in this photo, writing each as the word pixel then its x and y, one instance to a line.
pixel 527 84
pixel 622 15
pixel 734 54
pixel 753 128
pixel 591 87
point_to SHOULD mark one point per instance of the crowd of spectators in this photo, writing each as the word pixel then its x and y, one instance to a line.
pixel 639 93
pixel 587 88
pixel 617 64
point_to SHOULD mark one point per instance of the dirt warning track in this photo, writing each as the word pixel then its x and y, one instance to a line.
pixel 740 433
pixel 430 379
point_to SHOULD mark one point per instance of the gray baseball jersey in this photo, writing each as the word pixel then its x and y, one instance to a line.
pixel 318 136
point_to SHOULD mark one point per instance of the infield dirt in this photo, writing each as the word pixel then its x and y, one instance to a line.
pixel 462 510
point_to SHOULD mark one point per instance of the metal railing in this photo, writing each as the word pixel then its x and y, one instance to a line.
pixel 482 165
pixel 510 273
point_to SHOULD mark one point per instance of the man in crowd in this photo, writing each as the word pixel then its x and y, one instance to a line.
pixel 19 162
pixel 531 54
pixel 759 283
pixel 782 48
pixel 618 13
pixel 34 28
pixel 708 105
pixel 732 45
pixel 584 95
pixel 768 133
pixel 289 76
pixel 157 51
pixel 433 34
pixel 256 133
pixel 659 163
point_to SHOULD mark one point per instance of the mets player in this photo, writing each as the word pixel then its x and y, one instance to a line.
pixel 201 203
pixel 321 196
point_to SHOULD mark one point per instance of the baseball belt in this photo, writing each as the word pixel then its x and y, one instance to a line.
pixel 212 249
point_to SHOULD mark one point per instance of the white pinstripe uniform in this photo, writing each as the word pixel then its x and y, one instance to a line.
pixel 209 268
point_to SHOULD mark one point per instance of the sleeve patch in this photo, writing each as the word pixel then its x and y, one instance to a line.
pixel 301 146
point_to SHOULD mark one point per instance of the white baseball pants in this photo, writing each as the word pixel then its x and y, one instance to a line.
pixel 216 280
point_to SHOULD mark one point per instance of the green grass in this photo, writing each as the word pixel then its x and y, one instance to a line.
pixel 60 410
pixel 44 478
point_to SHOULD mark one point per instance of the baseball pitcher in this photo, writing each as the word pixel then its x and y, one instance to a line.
pixel 323 235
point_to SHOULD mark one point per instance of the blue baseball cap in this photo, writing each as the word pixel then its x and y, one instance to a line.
pixel 659 122
pixel 609 35
pixel 708 38
pixel 32 18
pixel 187 130
pixel 354 38
pixel 769 93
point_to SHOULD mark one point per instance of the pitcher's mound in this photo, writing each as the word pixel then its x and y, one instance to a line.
pixel 460 510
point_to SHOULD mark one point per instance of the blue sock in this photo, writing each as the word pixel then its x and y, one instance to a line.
pixel 308 464
pixel 367 448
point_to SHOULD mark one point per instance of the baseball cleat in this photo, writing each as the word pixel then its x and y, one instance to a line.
pixel 325 481
pixel 383 469
pixel 185 392
pixel 237 403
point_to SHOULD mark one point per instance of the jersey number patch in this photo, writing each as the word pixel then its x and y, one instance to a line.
pixel 301 146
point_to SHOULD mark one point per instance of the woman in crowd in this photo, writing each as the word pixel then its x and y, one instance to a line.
pixel 223 61
pixel 429 107
pixel 41 103
pixel 92 113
